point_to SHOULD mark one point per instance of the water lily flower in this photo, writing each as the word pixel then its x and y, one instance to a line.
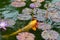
pixel 18 4
pixel 3 24
pixel 25 36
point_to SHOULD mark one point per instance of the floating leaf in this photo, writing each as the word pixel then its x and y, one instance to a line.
pixel 10 14
pixel 53 1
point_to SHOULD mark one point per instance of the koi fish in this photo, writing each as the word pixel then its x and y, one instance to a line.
pixel 31 24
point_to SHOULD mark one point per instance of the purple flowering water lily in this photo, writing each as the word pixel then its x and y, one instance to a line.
pixel 5 23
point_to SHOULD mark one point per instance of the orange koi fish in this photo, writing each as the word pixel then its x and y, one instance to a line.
pixel 31 24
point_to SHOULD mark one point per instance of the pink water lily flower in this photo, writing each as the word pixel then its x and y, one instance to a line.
pixel 25 36
pixel 40 0
pixel 18 4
